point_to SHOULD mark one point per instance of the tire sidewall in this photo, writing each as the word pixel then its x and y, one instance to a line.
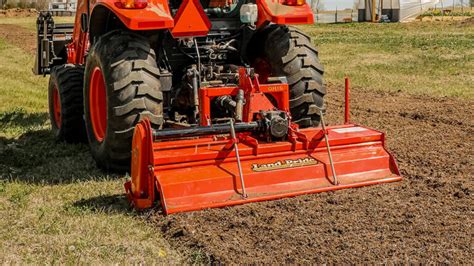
pixel 53 82
pixel 98 149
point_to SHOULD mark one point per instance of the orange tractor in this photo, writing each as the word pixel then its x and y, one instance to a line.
pixel 209 103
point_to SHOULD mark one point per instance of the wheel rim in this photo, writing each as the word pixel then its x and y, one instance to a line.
pixel 56 107
pixel 98 104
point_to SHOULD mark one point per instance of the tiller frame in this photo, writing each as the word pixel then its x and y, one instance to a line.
pixel 258 155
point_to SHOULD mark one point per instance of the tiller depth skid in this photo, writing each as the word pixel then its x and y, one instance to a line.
pixel 259 155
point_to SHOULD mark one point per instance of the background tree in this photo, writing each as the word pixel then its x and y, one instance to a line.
pixel 42 4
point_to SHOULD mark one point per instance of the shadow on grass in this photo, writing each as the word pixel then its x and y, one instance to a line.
pixel 104 204
pixel 20 118
pixel 112 204
pixel 35 157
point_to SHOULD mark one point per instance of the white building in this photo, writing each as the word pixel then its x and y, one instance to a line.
pixel 396 10
pixel 60 6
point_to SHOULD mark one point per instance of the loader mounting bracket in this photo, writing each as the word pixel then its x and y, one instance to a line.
pixel 52 39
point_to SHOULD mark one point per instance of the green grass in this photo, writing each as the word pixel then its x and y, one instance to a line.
pixel 30 22
pixel 432 58
pixel 55 205
pixel 17 81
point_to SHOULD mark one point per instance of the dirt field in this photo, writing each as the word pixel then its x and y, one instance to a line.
pixel 16 12
pixel 426 218
pixel 23 38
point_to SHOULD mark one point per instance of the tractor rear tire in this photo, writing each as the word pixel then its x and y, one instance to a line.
pixel 290 53
pixel 65 102
pixel 122 87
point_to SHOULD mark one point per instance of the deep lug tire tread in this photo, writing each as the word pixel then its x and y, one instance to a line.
pixel 69 80
pixel 133 93
pixel 291 54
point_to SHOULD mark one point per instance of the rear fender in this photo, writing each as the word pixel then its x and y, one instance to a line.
pixel 275 12
pixel 155 16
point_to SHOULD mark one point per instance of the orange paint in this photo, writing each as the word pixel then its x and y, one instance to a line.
pixel 202 173
pixel 199 173
pixel 98 104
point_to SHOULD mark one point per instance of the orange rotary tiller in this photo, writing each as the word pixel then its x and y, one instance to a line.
pixel 263 156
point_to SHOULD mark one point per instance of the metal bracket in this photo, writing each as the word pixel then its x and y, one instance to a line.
pixel 239 166
pixel 323 126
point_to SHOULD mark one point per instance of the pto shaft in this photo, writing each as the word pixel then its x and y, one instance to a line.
pixel 206 130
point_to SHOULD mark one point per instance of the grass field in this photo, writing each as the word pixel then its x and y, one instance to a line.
pixel 422 58
pixel 30 22
pixel 56 206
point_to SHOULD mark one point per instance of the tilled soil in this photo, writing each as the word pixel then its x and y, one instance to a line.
pixel 19 36
pixel 18 12
pixel 425 218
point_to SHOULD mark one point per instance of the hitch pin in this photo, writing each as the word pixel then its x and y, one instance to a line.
pixel 239 166
pixel 323 126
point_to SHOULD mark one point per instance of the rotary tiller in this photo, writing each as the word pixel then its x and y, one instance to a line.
pixel 261 157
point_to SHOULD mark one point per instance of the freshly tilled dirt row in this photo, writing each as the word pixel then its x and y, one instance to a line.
pixel 425 218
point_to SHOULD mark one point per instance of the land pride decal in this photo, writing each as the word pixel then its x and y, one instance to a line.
pixel 282 164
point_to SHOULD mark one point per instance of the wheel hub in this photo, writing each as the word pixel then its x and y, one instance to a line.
pixel 98 104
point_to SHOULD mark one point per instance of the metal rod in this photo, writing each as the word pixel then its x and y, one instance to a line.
pixel 195 92
pixel 239 105
pixel 239 166
pixel 334 176
pixel 206 130
pixel 197 83
pixel 198 60
pixel 346 102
